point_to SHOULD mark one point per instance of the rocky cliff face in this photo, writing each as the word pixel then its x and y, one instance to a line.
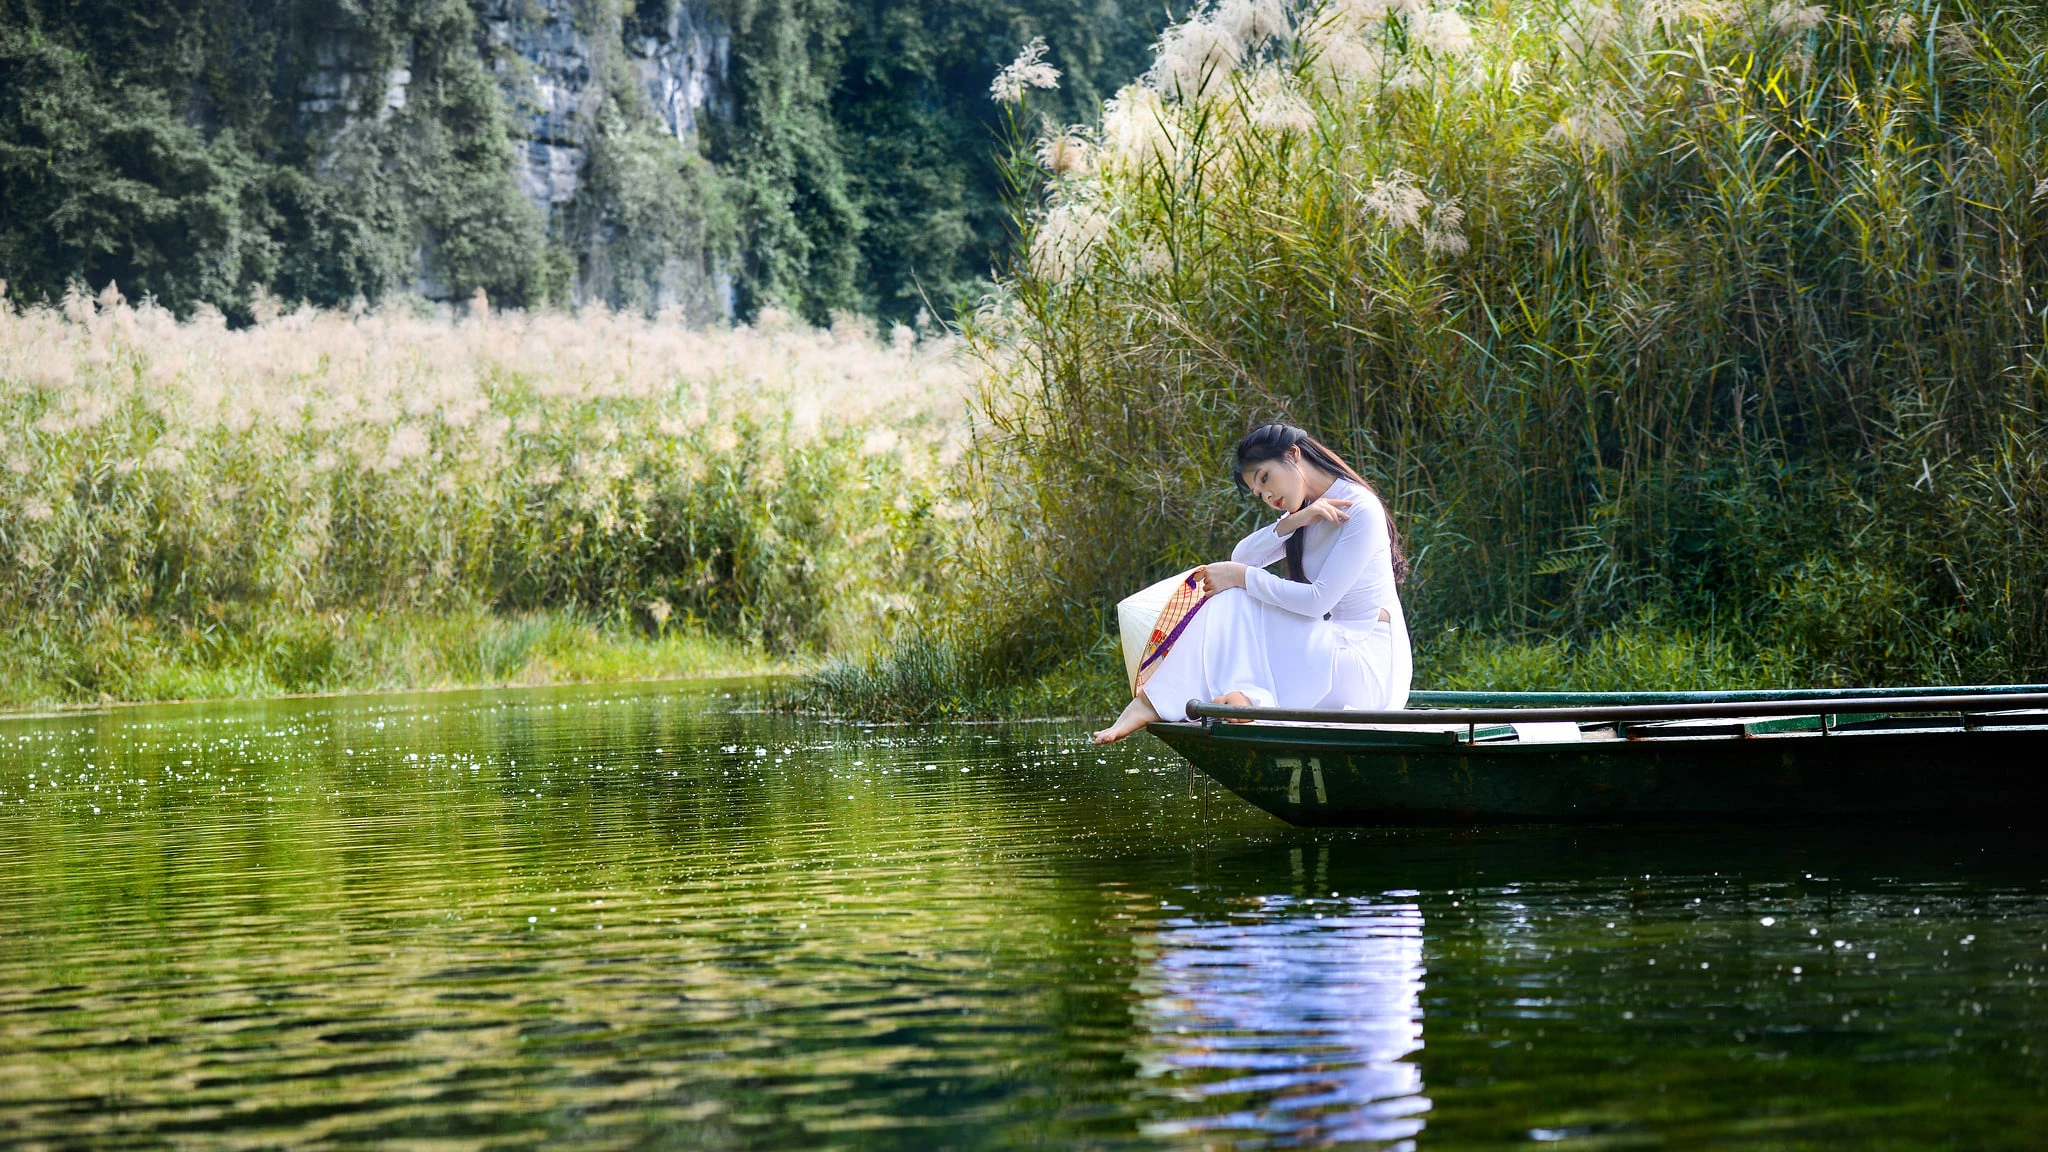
pixel 550 67
pixel 828 156
pixel 557 64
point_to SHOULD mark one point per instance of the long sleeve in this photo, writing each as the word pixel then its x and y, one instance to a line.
pixel 1260 548
pixel 1341 569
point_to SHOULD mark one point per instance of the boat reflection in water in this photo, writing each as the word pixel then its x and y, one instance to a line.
pixel 1290 1023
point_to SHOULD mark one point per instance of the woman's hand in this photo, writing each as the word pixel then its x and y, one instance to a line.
pixel 1221 575
pixel 1324 509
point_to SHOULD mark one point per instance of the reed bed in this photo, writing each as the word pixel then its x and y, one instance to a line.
pixel 1691 341
pixel 335 499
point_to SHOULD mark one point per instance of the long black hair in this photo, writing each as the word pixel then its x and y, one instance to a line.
pixel 1273 441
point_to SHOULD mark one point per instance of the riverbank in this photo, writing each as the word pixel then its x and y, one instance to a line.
pixel 143 662
pixel 140 661
pixel 924 679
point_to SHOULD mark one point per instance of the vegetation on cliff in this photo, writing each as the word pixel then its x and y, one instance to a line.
pixel 208 151
pixel 166 148
pixel 863 145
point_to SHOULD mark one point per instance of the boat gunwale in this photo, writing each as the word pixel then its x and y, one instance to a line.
pixel 1965 705
pixel 1427 743
pixel 1485 698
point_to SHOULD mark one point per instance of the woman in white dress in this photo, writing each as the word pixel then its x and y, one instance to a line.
pixel 1328 635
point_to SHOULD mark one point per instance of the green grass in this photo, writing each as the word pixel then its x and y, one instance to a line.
pixel 927 680
pixel 122 659
pixel 1636 657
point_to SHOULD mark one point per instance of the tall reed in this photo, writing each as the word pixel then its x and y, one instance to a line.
pixel 185 484
pixel 1713 317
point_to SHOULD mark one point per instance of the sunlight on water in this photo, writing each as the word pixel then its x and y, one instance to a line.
pixel 621 917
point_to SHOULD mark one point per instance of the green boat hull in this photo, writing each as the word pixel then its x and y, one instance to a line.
pixel 1314 775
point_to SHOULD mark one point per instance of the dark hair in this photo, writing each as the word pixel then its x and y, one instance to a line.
pixel 1273 441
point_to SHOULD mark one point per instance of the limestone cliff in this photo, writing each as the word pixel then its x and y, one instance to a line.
pixel 560 66
pixel 711 157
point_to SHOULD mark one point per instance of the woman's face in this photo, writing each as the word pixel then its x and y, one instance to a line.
pixel 1279 483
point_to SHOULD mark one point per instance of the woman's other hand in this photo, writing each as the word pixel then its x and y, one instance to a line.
pixel 1221 575
pixel 1324 509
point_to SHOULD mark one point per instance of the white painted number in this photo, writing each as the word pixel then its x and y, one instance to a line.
pixel 1315 769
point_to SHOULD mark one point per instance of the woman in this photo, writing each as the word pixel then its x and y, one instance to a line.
pixel 1329 635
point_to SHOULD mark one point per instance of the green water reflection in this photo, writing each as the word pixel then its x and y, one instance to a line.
pixel 656 918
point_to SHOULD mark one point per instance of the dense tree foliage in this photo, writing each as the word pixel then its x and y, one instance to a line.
pixel 166 146
pixel 203 151
pixel 913 94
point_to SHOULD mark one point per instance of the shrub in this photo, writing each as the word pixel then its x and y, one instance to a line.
pixel 1722 311
pixel 776 484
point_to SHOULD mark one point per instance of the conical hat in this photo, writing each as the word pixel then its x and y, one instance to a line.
pixel 1135 616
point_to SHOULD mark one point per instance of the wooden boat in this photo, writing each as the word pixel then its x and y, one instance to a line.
pixel 1467 757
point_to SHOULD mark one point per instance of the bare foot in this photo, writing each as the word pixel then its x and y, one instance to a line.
pixel 1237 698
pixel 1138 713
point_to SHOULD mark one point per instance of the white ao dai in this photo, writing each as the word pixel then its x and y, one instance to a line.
pixel 1286 644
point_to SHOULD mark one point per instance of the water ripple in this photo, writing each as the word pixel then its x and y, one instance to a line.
pixel 623 917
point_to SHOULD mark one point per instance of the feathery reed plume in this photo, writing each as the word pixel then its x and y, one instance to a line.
pixel 1065 152
pixel 1793 18
pixel 1028 70
pixel 183 475
pixel 1440 30
pixel 1899 28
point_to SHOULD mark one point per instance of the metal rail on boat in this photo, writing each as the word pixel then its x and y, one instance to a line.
pixel 1468 699
pixel 1966 703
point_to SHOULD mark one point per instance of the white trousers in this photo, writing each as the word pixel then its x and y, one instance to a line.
pixel 1281 660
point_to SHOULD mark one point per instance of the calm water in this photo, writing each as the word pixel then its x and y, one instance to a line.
pixel 654 918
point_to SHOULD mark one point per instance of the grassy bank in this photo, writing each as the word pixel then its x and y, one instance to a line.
pixel 1693 344
pixel 134 659
pixel 927 679
pixel 330 500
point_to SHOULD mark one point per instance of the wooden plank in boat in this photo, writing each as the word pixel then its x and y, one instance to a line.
pixel 1738 726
